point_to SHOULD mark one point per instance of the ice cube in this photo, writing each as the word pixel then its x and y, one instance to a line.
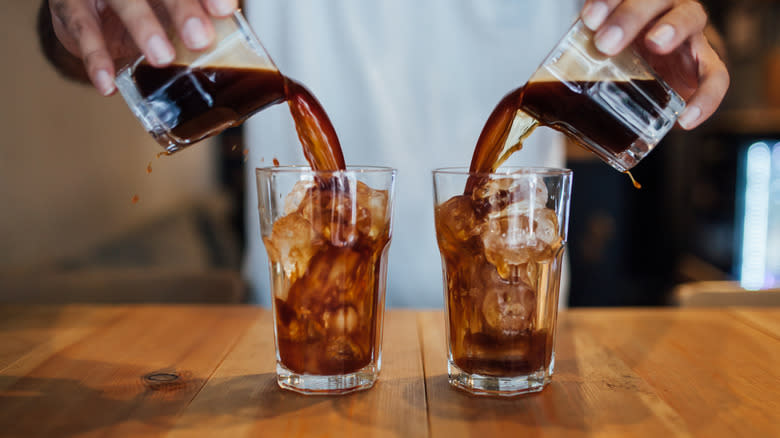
pixel 342 320
pixel 293 199
pixel 336 277
pixel 333 214
pixel 507 238
pixel 511 238
pixel 508 309
pixel 373 214
pixel 546 226
pixel 532 189
pixel 343 349
pixel 348 276
pixel 497 193
pixel 293 243
pixel 302 328
pixel 546 231
pixel 456 221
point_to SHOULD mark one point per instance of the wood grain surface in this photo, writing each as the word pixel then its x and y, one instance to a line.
pixel 85 371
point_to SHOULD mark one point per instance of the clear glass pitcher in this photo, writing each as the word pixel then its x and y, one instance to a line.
pixel 203 92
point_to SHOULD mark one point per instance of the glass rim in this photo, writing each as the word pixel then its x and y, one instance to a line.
pixel 305 169
pixel 508 171
pixel 247 30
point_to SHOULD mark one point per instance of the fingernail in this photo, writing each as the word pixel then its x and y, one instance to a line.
pixel 609 40
pixel 594 14
pixel 689 117
pixel 195 32
pixel 222 7
pixel 662 36
pixel 159 49
pixel 104 83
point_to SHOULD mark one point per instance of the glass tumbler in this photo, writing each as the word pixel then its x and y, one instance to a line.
pixel 501 248
pixel 327 235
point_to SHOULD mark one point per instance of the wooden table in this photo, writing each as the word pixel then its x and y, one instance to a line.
pixel 77 371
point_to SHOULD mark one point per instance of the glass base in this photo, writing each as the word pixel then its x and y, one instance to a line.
pixel 502 386
pixel 326 385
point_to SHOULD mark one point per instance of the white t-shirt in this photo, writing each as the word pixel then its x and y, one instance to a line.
pixel 407 84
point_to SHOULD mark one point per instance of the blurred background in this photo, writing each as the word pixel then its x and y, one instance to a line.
pixel 82 215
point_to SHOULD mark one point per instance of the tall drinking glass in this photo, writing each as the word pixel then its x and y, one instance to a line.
pixel 501 247
pixel 327 235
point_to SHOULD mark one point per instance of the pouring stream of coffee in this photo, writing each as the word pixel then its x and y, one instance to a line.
pixel 222 94
pixel 558 106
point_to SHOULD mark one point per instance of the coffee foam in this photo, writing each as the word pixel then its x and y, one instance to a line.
pixel 233 47
pixel 576 58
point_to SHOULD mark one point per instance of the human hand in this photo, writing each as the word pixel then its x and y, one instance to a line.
pixel 103 31
pixel 670 35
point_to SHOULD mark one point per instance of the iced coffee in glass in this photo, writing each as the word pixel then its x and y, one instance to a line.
pixel 327 234
pixel 502 245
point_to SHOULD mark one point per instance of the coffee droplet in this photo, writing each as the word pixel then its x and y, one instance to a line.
pixel 633 181
pixel 149 168
pixel 135 199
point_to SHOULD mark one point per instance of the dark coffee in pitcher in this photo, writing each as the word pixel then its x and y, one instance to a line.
pixel 196 103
